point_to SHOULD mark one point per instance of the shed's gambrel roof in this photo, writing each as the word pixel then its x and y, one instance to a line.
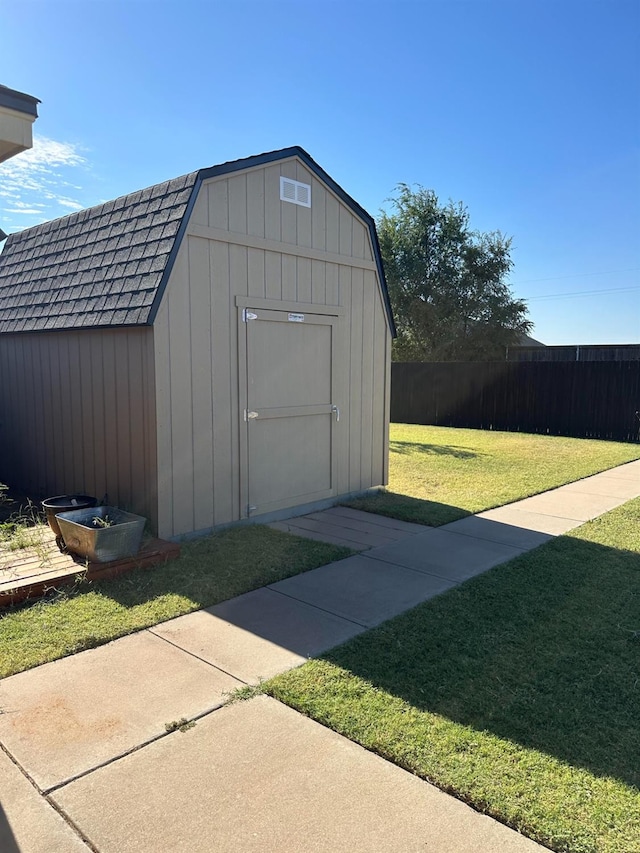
pixel 108 266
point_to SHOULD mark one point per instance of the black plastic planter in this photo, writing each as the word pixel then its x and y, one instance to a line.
pixel 65 503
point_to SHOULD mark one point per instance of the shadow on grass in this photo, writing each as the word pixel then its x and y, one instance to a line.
pixel 209 571
pixel 542 651
pixel 222 566
pixel 407 508
pixel 412 448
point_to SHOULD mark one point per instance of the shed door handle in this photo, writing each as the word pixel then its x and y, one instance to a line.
pixel 336 411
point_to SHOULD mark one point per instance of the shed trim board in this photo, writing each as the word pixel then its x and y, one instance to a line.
pixel 276 305
pixel 275 246
pixel 174 252
pixel 255 333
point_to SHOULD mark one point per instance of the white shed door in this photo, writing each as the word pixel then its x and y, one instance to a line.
pixel 290 416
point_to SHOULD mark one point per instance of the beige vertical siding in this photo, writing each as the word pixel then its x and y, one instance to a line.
pixel 242 241
pixel 249 204
pixel 77 413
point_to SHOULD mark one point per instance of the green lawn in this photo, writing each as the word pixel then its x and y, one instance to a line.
pixel 208 571
pixel 438 474
pixel 442 474
pixel 519 691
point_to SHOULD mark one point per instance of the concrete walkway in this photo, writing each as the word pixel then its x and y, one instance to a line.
pixel 87 764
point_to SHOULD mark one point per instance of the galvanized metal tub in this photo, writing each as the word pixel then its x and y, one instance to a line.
pixel 103 533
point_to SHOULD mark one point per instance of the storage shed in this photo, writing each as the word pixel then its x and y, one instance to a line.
pixel 209 349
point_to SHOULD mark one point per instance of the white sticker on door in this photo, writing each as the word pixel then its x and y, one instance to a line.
pixel 296 318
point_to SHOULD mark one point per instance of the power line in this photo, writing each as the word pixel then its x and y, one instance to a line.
pixel 582 293
pixel 573 275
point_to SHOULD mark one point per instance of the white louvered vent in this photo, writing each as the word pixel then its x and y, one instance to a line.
pixel 295 192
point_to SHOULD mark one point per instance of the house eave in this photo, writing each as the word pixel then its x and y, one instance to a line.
pixel 18 111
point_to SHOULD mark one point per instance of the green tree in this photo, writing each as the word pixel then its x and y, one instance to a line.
pixel 447 283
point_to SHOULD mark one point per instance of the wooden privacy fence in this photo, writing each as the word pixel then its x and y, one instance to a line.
pixel 581 399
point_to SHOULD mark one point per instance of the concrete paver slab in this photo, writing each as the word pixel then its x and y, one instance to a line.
pixel 65 717
pixel 363 522
pixel 332 539
pixel 379 520
pixel 349 527
pixel 315 523
pixel 359 524
pixel 269 779
pixel 257 635
pixel 602 484
pixel 567 504
pixel 496 531
pixel 363 590
pixel 446 555
pixel 28 823
pixel 526 519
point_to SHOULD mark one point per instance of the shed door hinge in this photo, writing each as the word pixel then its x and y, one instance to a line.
pixel 250 416
pixel 248 315
pixel 251 508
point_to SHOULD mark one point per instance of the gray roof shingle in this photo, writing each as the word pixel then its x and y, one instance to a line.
pixel 94 268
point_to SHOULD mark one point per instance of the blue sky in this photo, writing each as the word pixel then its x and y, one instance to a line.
pixel 528 111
